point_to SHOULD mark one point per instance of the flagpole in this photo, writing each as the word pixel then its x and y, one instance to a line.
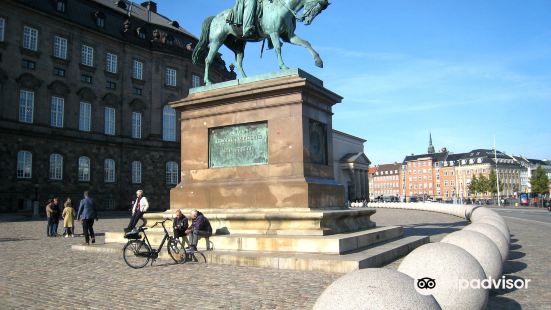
pixel 497 174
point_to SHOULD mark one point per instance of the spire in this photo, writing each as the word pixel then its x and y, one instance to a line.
pixel 431 147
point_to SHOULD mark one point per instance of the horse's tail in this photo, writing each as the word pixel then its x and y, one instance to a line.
pixel 199 52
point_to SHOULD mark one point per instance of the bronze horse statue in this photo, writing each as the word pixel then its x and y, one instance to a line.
pixel 275 21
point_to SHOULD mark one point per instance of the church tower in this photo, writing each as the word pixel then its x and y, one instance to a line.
pixel 430 149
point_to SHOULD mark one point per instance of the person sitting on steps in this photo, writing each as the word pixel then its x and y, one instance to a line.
pixel 180 225
pixel 199 227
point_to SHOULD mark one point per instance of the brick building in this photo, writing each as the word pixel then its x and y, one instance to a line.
pixel 84 88
pixel 385 182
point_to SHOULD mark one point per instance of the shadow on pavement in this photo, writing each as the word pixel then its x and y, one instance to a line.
pixel 515 247
pixel 516 255
pixel 429 229
pixel 15 239
pixel 513 267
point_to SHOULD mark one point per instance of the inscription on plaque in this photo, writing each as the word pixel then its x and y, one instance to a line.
pixel 238 145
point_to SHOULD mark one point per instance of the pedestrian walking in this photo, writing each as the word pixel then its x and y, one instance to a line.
pixel 68 218
pixel 86 214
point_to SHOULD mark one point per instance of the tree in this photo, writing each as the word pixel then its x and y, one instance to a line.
pixel 492 183
pixel 474 186
pixel 483 184
pixel 539 181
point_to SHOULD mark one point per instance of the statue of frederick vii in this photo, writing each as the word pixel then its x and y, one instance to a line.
pixel 255 21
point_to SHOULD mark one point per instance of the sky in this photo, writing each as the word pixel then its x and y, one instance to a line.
pixel 465 70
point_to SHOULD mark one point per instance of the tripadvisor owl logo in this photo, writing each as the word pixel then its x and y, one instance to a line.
pixel 425 285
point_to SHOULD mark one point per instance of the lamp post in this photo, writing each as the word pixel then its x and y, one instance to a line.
pixel 35 202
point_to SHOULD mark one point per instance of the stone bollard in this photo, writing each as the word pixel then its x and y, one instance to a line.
pixel 375 288
pixel 450 267
pixel 494 234
pixel 498 223
pixel 480 212
pixel 481 248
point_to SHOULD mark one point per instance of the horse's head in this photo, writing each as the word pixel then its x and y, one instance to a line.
pixel 312 8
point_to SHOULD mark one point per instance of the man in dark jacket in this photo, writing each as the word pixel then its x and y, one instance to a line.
pixel 199 227
pixel 180 224
pixel 87 213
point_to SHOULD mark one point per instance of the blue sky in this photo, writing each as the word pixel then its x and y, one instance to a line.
pixel 464 70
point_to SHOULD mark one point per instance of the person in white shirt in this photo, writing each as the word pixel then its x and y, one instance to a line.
pixel 139 207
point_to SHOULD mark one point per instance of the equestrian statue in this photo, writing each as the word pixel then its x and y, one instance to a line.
pixel 255 21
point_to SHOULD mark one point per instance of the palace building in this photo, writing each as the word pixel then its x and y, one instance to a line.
pixel 84 93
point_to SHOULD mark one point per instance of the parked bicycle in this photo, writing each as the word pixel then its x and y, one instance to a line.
pixel 137 253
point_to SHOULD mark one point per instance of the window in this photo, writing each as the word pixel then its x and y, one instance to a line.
pixel 28 64
pixel 60 6
pixel 137 91
pixel 60 47
pixel 111 63
pixel 171 173
pixel 2 27
pixel 100 19
pixel 84 117
pixel 111 85
pixel 109 166
pixel 85 78
pixel 109 121
pixel 56 112
pixel 84 169
pixel 56 167
pixel 137 69
pixel 24 165
pixel 136 172
pixel 169 124
pixel 87 55
pixel 59 72
pixel 26 106
pixel 170 77
pixel 136 125
pixel 195 81
pixel 30 38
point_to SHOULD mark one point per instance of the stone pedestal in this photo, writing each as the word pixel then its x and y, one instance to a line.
pixel 257 156
pixel 258 143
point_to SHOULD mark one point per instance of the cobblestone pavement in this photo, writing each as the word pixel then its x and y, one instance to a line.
pixel 37 272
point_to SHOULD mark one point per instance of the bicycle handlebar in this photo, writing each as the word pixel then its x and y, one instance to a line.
pixel 161 222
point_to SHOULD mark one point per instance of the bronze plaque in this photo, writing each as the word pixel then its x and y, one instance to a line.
pixel 238 145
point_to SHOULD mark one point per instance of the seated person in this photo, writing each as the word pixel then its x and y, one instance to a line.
pixel 199 227
pixel 180 224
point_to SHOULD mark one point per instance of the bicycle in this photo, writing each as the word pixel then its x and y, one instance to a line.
pixel 137 253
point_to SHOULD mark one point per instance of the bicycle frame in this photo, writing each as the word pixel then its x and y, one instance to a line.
pixel 155 252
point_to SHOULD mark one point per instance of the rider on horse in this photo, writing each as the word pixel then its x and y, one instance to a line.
pixel 244 13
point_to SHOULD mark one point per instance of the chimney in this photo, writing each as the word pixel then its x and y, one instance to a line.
pixel 150 5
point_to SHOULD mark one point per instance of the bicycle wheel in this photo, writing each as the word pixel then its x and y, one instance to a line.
pixel 176 250
pixel 136 253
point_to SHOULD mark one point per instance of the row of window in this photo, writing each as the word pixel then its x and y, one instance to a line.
pixel 386 177
pixel 386 172
pixel 57 107
pixel 24 169
pixel 60 51
pixel 420 171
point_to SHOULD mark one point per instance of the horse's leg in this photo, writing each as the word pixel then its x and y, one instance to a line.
pixel 277 46
pixel 296 40
pixel 239 54
pixel 213 49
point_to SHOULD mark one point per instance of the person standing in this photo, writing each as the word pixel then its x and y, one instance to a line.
pixel 244 13
pixel 139 207
pixel 49 217
pixel 52 212
pixel 68 218
pixel 87 213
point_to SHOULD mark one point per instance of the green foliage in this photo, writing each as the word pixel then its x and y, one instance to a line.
pixel 479 185
pixel 539 181
pixel 474 187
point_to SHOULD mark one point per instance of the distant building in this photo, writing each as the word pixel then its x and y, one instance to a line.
pixel 84 92
pixel 385 182
pixel 351 165
pixel 418 176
